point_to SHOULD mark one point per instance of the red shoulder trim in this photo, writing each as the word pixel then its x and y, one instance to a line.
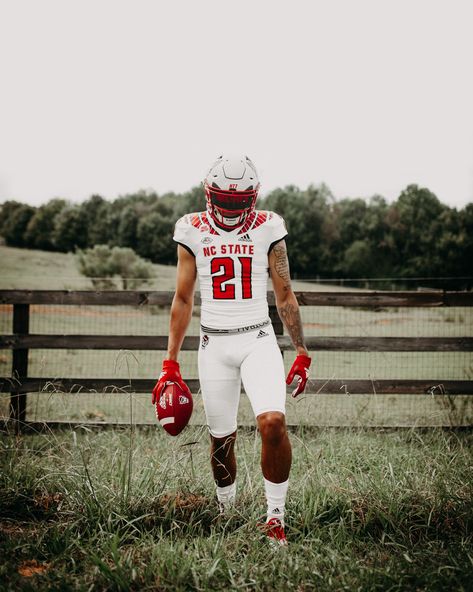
pixel 246 226
pixel 195 220
pixel 260 219
pixel 199 220
pixel 255 219
pixel 206 221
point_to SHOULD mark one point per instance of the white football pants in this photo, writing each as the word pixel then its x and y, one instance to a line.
pixel 227 360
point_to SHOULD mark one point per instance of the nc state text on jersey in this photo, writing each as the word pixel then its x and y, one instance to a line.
pixel 229 249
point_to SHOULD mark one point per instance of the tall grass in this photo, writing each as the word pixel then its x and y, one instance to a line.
pixel 367 510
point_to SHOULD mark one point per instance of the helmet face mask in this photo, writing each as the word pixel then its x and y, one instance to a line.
pixel 230 208
pixel 231 188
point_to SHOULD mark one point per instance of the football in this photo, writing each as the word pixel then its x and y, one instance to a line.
pixel 174 408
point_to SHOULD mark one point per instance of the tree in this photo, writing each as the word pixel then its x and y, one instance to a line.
pixel 40 229
pixel 465 241
pixel 95 211
pixel 454 247
pixel 357 260
pixel 127 226
pixel 103 264
pixel 364 244
pixel 416 229
pixel 6 211
pixel 154 238
pixel 351 214
pixel 70 229
pixel 14 219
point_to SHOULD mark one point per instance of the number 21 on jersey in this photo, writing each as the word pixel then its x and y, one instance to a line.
pixel 222 270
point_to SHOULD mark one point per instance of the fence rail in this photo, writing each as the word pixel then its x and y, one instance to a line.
pixel 317 386
pixel 147 342
pixel 370 299
pixel 20 341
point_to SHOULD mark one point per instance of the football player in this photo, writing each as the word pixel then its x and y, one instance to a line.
pixel 233 249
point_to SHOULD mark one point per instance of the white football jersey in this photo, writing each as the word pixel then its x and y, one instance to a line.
pixel 232 266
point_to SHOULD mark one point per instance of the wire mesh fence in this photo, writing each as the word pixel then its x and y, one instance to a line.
pixel 119 405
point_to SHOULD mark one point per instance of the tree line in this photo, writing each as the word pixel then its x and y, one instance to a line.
pixel 414 236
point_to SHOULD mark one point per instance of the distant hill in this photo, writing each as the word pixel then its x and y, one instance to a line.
pixel 29 269
pixel 47 270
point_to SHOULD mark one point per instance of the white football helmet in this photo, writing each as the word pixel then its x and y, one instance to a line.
pixel 231 188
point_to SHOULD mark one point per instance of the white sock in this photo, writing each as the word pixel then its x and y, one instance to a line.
pixel 226 496
pixel 276 499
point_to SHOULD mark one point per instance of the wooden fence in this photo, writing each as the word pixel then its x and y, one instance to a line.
pixel 21 341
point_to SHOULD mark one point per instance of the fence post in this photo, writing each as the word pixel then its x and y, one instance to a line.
pixel 21 325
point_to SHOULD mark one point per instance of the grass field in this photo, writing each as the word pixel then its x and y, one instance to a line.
pixel 135 510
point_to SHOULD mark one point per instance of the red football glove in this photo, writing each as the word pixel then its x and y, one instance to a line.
pixel 299 368
pixel 169 373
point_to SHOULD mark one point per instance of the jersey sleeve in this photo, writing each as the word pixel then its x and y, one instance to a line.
pixel 184 234
pixel 277 230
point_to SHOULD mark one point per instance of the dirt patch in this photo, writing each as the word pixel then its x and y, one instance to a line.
pixel 84 311
pixel 15 529
pixel 394 321
pixel 48 501
pixel 31 568
pixel 185 502
pixel 78 311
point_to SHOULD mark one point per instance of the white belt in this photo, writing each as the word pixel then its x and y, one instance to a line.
pixel 211 331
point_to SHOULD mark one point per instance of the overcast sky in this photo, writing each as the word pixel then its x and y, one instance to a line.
pixel 110 96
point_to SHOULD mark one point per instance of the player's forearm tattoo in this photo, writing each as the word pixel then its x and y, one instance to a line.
pixel 281 264
pixel 291 318
pixel 289 312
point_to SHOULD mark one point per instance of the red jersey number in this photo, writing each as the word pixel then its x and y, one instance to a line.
pixel 223 270
pixel 223 266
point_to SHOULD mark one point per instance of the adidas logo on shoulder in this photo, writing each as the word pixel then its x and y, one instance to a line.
pixel 262 334
pixel 245 238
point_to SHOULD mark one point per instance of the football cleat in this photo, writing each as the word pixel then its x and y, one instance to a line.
pixel 231 188
pixel 274 530
pixel 174 408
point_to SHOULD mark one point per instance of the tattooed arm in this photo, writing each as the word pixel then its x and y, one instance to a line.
pixel 286 302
